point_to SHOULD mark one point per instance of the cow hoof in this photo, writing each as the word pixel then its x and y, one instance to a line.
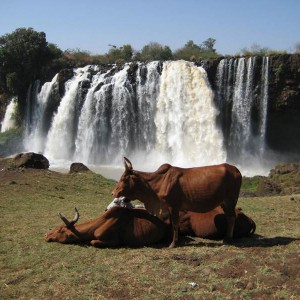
pixel 172 245
pixel 227 241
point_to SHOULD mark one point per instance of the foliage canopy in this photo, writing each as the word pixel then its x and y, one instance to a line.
pixel 23 56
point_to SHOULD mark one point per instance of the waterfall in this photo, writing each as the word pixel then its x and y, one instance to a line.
pixel 242 98
pixel 264 104
pixel 240 132
pixel 9 119
pixel 117 119
pixel 31 103
pixel 154 113
pixel 36 133
pixel 148 83
pixel 224 91
pixel 151 111
pixel 60 139
pixel 92 112
pixel 186 117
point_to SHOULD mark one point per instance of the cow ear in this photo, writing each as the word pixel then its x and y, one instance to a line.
pixel 128 165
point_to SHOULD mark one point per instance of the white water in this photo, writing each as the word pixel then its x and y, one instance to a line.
pixel 36 137
pixel 240 132
pixel 264 104
pixel 186 117
pixel 235 84
pixel 169 117
pixel 9 120
pixel 147 92
pixel 60 143
pixel 91 113
pixel 166 114
pixel 106 119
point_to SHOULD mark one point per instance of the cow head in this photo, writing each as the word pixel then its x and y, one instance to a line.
pixel 128 184
pixel 64 233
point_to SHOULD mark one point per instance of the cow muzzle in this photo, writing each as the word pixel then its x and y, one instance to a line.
pixel 116 194
pixel 47 238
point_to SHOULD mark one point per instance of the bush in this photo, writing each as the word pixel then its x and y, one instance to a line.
pixel 194 52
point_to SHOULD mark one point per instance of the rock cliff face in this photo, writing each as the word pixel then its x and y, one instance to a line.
pixel 284 104
pixel 283 123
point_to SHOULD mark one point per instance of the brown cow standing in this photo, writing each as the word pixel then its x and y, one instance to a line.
pixel 119 226
pixel 194 189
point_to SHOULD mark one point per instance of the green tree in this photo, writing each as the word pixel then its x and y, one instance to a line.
pixel 119 54
pixel 208 45
pixel 23 55
pixel 127 52
pixel 155 51
pixel 192 51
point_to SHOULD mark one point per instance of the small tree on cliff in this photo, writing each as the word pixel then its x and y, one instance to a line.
pixel 118 54
pixel 155 51
pixel 192 51
pixel 23 56
pixel 208 45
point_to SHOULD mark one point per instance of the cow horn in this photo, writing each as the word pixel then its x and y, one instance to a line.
pixel 76 217
pixel 66 221
pixel 128 165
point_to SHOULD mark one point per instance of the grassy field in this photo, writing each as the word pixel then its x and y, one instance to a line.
pixel 266 266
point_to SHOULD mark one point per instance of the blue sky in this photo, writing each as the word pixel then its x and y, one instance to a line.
pixel 92 25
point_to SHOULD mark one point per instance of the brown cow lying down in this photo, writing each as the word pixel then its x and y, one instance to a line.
pixel 121 226
pixel 211 224
pixel 118 226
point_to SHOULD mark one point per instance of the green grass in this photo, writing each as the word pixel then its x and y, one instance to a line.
pixel 263 267
pixel 250 184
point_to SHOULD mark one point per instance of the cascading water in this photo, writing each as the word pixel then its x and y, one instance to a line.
pixel 264 105
pixel 36 133
pixel 240 132
pixel 156 112
pixel 60 139
pixel 9 120
pixel 91 118
pixel 148 84
pixel 186 117
pixel 112 120
pixel 243 98
pixel 159 111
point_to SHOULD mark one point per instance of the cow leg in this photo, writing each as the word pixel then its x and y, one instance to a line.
pixel 104 244
pixel 174 216
pixel 230 218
